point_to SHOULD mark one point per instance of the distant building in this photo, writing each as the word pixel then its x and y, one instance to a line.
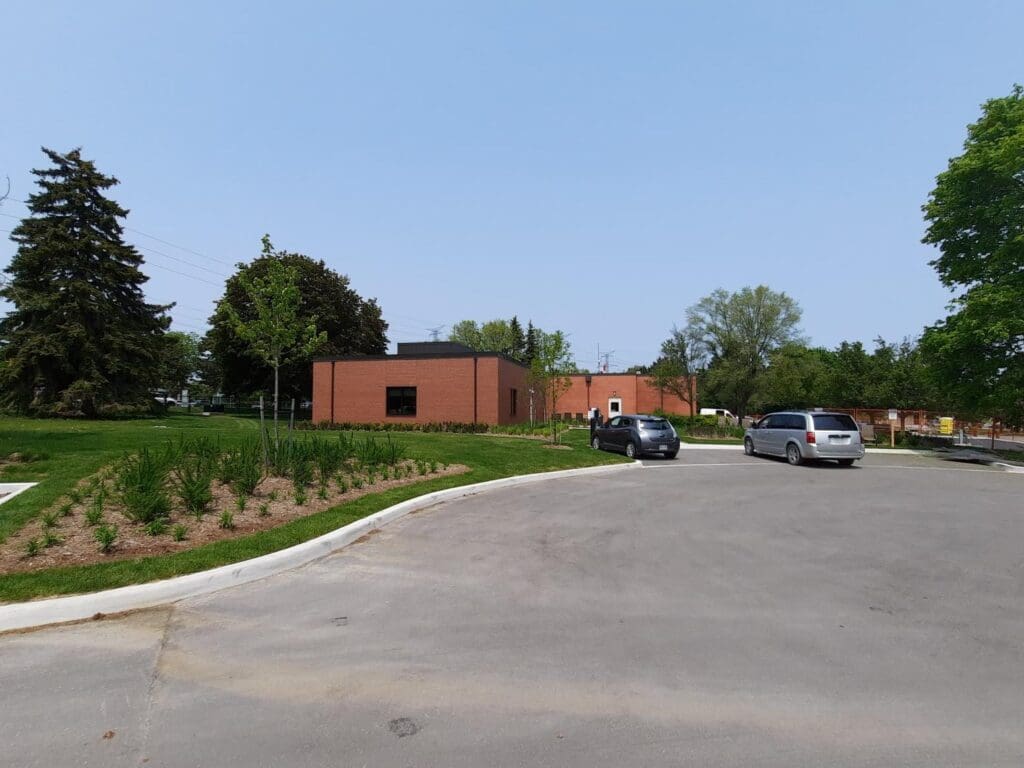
pixel 439 381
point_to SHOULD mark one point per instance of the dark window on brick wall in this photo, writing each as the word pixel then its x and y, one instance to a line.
pixel 401 401
pixel 515 401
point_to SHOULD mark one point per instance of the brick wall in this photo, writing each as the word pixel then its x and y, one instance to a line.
pixel 444 390
pixel 637 393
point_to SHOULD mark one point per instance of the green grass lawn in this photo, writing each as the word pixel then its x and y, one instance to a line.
pixel 73 450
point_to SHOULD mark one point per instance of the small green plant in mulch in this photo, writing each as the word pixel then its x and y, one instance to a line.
pixel 342 485
pixel 48 519
pixel 141 480
pixel 179 532
pixel 357 482
pixel 433 467
pixel 65 509
pixel 93 515
pixel 227 520
pixel 50 538
pixel 106 536
pixel 242 468
pixel 241 501
pixel 264 510
pixel 272 496
pixel 32 547
pixel 75 494
pixel 321 493
pixel 157 527
pixel 194 477
pixel 371 477
pixel 300 495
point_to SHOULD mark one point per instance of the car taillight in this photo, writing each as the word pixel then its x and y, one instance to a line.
pixel 811 438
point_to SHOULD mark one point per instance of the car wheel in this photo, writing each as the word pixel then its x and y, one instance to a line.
pixel 631 449
pixel 845 462
pixel 671 454
pixel 748 447
pixel 793 455
pixel 596 443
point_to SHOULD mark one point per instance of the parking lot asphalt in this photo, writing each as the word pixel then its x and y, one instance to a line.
pixel 715 610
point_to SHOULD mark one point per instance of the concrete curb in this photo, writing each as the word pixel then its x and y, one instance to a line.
pixel 13 489
pixel 60 610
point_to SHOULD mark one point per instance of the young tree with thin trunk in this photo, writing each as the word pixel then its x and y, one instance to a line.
pixel 276 331
pixel 550 371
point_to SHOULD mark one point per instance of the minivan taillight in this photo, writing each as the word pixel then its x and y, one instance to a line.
pixel 810 438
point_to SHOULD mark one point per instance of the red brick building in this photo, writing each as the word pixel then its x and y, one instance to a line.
pixel 425 382
pixel 616 393
pixel 442 381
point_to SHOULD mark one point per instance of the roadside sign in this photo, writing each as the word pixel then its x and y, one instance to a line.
pixel 946 425
pixel 893 414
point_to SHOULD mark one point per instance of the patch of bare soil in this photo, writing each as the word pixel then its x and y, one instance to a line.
pixel 272 505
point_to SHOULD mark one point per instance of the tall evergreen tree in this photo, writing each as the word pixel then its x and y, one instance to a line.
pixel 517 339
pixel 81 338
pixel 530 345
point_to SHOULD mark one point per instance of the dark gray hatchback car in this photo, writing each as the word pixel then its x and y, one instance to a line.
pixel 636 435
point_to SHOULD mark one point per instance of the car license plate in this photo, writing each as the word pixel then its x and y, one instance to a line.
pixel 662 447
pixel 839 440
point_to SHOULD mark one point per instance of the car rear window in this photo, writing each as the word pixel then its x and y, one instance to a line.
pixel 835 421
pixel 653 424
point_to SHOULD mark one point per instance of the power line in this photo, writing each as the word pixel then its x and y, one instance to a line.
pixel 146 234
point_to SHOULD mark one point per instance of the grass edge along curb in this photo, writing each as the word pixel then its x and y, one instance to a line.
pixel 17 616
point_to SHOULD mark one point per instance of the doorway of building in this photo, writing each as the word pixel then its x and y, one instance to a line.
pixel 614 406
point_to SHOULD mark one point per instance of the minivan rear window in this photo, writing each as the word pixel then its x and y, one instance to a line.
pixel 653 424
pixel 835 421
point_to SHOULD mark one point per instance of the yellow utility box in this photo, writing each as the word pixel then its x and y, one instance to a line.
pixel 945 425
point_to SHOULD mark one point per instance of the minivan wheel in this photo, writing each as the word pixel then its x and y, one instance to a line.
pixel 596 443
pixel 793 454
pixel 631 450
pixel 845 462
pixel 748 447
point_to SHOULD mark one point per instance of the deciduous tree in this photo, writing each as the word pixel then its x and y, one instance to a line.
pixel 275 330
pixel 351 325
pixel 738 332
pixel 975 220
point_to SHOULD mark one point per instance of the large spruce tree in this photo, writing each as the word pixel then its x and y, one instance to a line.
pixel 81 339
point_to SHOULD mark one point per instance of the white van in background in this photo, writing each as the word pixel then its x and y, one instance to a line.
pixel 721 413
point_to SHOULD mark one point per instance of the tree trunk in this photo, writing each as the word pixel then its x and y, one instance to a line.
pixel 277 438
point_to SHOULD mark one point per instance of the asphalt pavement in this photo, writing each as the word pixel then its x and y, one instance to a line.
pixel 715 610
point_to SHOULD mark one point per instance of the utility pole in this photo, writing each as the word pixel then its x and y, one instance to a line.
pixel 435 333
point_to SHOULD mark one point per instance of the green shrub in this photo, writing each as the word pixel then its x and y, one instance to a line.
pixel 65 509
pixel 300 495
pixel 264 510
pixel 50 538
pixel 241 500
pixel 272 496
pixel 75 494
pixel 48 519
pixel 242 468
pixel 157 527
pixel 342 486
pixel 357 482
pixel 142 480
pixel 179 532
pixel 433 467
pixel 194 476
pixel 32 547
pixel 105 536
pixel 227 520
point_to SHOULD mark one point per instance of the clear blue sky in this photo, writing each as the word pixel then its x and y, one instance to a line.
pixel 593 167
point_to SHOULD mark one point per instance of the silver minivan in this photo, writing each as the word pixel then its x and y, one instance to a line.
pixel 801 436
